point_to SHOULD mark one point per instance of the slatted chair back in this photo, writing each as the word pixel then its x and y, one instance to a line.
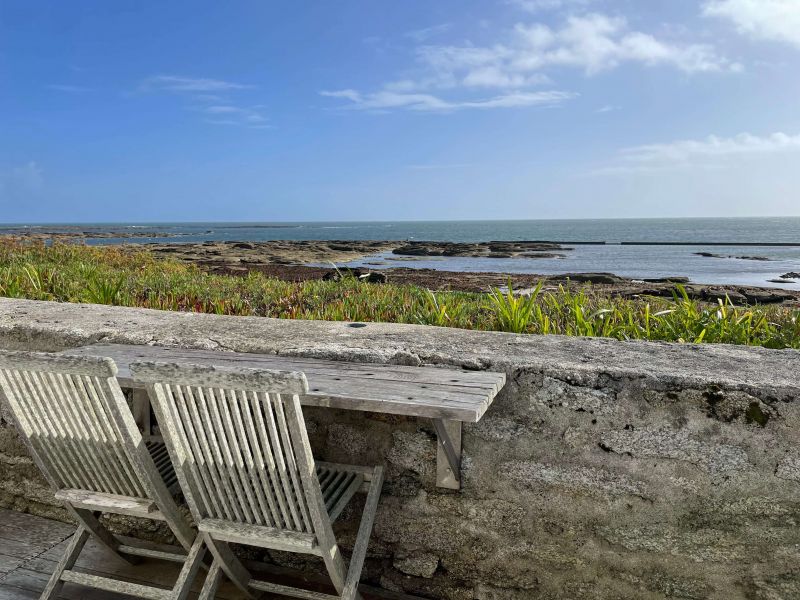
pixel 76 421
pixel 238 441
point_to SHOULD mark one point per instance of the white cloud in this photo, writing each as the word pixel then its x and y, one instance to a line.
pixel 777 20
pixel 241 114
pixel 384 101
pixel 420 35
pixel 607 109
pixel 523 59
pixel 534 6
pixel 711 152
pixel 597 42
pixel 211 98
pixel 174 83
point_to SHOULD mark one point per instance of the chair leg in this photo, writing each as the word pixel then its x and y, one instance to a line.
pixel 210 585
pixel 228 562
pixel 350 591
pixel 88 521
pixel 336 567
pixel 194 559
pixel 67 561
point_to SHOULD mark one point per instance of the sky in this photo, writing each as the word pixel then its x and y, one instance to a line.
pixel 150 111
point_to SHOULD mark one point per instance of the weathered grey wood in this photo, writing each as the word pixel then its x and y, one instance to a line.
pixel 88 520
pixel 331 554
pixel 448 453
pixel 238 439
pixel 45 362
pixel 46 542
pixel 27 581
pixel 123 505
pixel 336 505
pixel 229 563
pixel 284 590
pixel 67 561
pixel 124 354
pixel 194 558
pixel 209 591
pixel 362 537
pixel 115 585
pixel 150 553
pixel 258 535
pixel 413 391
pixel 189 374
pixel 76 422
pixel 140 407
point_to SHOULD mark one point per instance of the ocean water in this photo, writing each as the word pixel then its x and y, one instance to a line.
pixel 728 237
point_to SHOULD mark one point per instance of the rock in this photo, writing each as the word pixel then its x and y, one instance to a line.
pixel 765 296
pixel 368 276
pixel 790 275
pixel 374 277
pixel 678 279
pixel 244 245
pixel 420 564
pixel 712 255
pixel 481 249
pixel 605 278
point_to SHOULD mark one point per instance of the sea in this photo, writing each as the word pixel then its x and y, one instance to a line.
pixel 746 251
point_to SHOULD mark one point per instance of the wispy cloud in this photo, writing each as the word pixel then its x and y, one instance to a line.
pixel 227 114
pixel 713 151
pixel 421 35
pixel 776 20
pixel 69 89
pixel 385 101
pixel 213 98
pixel 175 83
pixel 448 77
pixel 535 6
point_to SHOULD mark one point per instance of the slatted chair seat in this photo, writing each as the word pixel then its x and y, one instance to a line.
pixel 160 455
pixel 241 452
pixel 73 417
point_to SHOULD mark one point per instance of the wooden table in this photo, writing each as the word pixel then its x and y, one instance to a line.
pixel 449 397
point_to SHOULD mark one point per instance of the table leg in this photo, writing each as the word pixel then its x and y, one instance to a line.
pixel 141 412
pixel 448 454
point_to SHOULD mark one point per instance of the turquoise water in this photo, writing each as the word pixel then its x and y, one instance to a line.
pixel 630 261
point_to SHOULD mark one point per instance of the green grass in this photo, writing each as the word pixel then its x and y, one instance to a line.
pixel 108 275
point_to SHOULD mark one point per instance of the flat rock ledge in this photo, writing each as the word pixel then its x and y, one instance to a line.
pixel 603 470
pixel 483 249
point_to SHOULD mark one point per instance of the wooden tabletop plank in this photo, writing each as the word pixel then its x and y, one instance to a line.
pixel 413 391
pixel 372 371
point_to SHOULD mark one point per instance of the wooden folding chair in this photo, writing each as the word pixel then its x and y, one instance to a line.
pixel 79 430
pixel 241 452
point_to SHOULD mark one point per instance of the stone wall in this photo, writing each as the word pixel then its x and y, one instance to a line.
pixel 603 470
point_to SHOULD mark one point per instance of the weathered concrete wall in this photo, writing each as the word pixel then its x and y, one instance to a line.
pixel 603 470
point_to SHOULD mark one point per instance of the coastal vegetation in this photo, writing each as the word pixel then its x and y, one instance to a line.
pixel 125 277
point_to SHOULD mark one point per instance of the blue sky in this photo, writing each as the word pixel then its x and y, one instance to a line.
pixel 362 110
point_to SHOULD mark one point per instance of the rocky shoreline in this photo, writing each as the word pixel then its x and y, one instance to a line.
pixel 289 260
pixel 606 284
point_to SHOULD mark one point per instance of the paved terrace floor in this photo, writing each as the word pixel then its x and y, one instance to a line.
pixel 30 547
